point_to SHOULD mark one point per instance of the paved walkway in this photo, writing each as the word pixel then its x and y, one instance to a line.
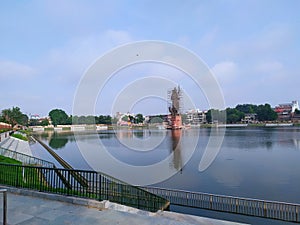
pixel 15 144
pixel 31 210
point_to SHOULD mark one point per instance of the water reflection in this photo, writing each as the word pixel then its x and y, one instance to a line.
pixel 56 140
pixel 253 162
pixel 175 148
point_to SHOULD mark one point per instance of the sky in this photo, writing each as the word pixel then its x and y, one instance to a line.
pixel 252 48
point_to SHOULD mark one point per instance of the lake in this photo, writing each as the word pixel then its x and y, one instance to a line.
pixel 261 163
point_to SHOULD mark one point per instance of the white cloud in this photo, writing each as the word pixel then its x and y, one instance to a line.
pixel 10 69
pixel 208 38
pixel 225 71
pixel 69 62
pixel 264 43
pixel 269 67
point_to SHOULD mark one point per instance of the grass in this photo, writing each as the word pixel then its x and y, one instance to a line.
pixel 4 159
pixel 34 178
pixel 4 130
pixel 26 132
pixel 20 136
pixel 48 129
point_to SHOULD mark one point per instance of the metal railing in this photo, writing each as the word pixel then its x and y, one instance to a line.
pixel 25 159
pixel 246 206
pixel 4 216
pixel 97 186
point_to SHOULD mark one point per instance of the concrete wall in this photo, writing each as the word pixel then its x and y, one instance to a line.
pixel 4 136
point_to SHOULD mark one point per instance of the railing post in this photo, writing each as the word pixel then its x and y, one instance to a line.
pixel 100 186
pixel 17 178
pixel 265 209
pixel 4 206
pixel 210 201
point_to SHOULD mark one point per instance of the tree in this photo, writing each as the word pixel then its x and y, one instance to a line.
pixel 156 120
pixel 14 116
pixel 297 111
pixel 58 116
pixel 75 120
pixel 81 120
pixel 247 108
pixel 44 122
pixel 103 119
pixel 215 115
pixel 125 118
pixel 266 113
pixel 139 118
pixel 234 115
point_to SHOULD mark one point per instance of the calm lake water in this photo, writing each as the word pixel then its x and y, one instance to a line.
pixel 261 163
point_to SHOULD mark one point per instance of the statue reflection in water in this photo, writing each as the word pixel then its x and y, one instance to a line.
pixel 175 148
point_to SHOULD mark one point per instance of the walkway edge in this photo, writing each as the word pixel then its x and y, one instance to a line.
pixel 170 217
pixel 56 197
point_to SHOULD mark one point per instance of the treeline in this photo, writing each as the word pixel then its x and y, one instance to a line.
pixel 59 117
pixel 13 116
pixel 235 115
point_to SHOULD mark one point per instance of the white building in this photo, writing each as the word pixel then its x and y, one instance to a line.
pixel 195 117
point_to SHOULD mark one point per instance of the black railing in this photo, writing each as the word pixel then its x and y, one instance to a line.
pixel 96 185
pixel 26 159
pixel 245 206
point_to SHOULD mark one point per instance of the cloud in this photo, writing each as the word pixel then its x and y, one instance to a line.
pixel 208 38
pixel 265 42
pixel 10 69
pixel 269 67
pixel 225 71
pixel 68 63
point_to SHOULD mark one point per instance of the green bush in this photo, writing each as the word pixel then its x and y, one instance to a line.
pixel 4 130
pixel 20 136
pixel 4 159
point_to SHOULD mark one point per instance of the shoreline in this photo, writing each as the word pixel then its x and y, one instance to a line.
pixel 76 128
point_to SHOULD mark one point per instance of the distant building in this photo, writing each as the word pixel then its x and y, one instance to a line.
pixel 35 117
pixel 250 118
pixel 5 125
pixel 195 117
pixel 124 118
pixel 286 111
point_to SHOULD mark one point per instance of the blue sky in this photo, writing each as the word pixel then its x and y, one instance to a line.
pixel 252 47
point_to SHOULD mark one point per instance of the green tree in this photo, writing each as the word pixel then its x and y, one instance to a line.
pixel 33 122
pixel 103 119
pixel 75 120
pixel 297 111
pixel 215 115
pixel 125 118
pixel 266 113
pixel 114 120
pixel 139 118
pixel 14 116
pixel 44 122
pixel 156 120
pixel 247 108
pixel 234 115
pixel 58 116
pixel 81 120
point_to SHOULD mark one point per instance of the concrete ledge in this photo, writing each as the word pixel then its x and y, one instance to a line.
pixel 57 197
